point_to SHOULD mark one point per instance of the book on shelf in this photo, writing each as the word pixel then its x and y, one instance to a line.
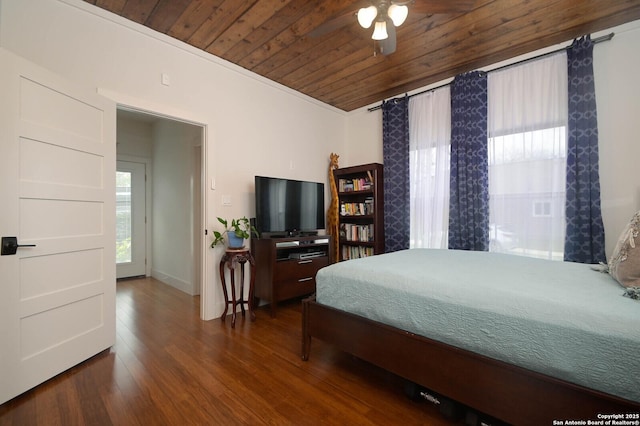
pixel 357 209
pixel 356 233
pixel 356 252
pixel 356 184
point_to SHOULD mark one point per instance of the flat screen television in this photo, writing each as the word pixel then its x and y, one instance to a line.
pixel 286 207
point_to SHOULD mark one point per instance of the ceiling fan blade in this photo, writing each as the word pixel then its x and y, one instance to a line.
pixel 440 6
pixel 388 45
pixel 334 24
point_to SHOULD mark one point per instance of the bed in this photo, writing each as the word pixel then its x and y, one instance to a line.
pixel 524 340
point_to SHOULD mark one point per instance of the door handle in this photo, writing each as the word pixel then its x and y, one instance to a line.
pixel 10 246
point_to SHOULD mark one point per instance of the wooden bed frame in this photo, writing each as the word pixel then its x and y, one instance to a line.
pixel 504 391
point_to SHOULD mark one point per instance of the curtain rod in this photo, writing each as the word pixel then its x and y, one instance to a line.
pixel 606 37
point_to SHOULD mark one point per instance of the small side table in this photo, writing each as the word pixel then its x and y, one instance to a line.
pixel 230 259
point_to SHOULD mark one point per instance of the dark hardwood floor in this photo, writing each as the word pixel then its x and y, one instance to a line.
pixel 168 367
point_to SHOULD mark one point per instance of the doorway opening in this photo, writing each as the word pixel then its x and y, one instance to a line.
pixel 160 201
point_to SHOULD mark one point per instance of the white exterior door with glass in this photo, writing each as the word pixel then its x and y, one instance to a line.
pixel 131 233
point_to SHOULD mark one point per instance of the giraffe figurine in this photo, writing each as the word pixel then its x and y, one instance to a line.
pixel 334 209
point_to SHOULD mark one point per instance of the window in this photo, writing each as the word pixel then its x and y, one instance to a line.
pixel 123 217
pixel 527 193
pixel 429 158
pixel 527 146
pixel 527 121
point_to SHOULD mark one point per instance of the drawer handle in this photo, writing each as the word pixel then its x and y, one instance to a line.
pixel 302 262
pixel 301 280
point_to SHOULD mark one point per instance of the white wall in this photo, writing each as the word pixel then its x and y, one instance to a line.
pixel 364 133
pixel 173 203
pixel 134 138
pixel 253 126
pixel 616 65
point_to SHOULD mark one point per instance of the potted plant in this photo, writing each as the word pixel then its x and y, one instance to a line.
pixel 238 231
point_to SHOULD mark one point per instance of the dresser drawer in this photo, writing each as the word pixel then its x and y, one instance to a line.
pixel 294 288
pixel 295 269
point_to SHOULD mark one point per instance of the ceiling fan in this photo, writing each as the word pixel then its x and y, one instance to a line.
pixel 386 15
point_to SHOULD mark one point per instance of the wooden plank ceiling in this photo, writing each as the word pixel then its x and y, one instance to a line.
pixel 276 38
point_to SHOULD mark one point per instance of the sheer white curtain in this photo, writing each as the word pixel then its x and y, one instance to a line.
pixel 527 127
pixel 429 146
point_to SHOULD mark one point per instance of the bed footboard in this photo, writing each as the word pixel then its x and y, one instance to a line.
pixel 501 390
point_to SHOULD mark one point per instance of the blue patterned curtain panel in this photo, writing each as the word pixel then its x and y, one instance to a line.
pixel 584 240
pixel 395 152
pixel 469 187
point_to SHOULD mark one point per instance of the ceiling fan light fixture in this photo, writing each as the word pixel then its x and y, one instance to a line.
pixel 398 14
pixel 366 15
pixel 380 31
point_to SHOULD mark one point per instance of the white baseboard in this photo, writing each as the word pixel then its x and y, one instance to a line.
pixel 181 285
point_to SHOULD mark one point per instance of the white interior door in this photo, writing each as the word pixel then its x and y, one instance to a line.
pixel 57 162
pixel 131 207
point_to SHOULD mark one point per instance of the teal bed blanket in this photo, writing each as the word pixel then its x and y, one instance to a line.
pixel 561 319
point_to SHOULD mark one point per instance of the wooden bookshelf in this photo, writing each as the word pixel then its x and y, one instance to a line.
pixel 361 204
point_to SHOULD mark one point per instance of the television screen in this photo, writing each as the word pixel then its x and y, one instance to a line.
pixel 288 207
